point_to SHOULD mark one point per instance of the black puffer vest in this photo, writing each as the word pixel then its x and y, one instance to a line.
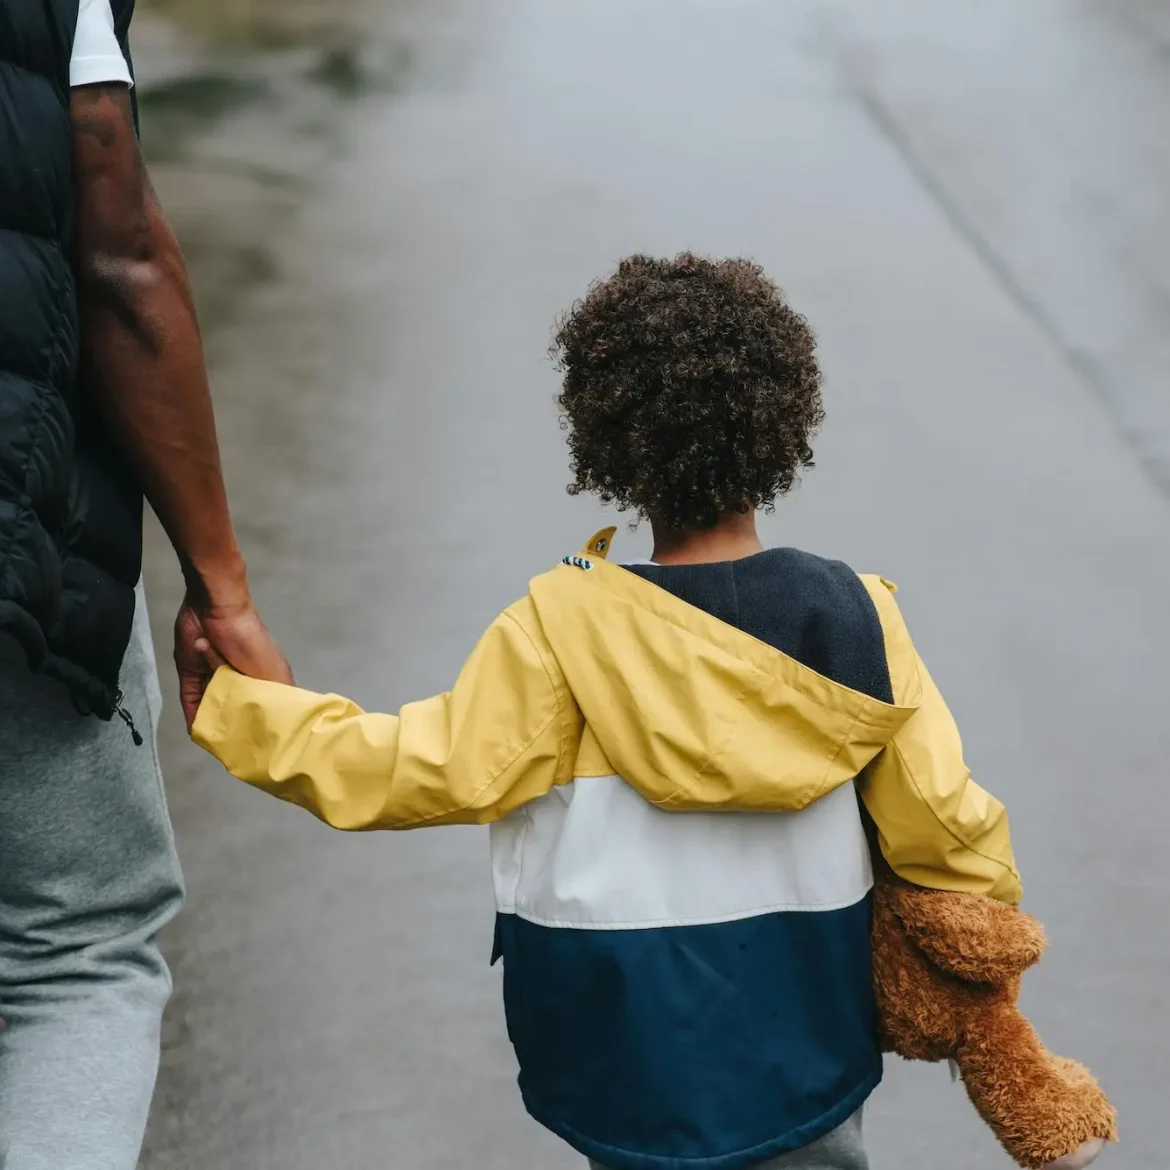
pixel 70 516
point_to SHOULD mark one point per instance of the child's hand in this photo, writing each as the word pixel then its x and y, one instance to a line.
pixel 205 641
pixel 1078 1159
pixel 210 655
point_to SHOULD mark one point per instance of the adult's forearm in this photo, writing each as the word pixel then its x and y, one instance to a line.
pixel 142 344
pixel 145 370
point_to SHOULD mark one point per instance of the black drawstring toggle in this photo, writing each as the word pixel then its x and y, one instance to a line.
pixel 127 718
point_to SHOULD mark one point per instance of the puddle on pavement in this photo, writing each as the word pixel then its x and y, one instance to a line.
pixel 350 73
pixel 263 24
pixel 173 111
pixel 236 137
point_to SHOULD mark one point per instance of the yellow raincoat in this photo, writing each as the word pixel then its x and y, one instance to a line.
pixel 597 671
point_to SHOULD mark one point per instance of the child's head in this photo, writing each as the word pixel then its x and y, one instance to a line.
pixel 691 390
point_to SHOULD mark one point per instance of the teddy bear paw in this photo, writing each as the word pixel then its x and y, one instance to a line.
pixel 1079 1158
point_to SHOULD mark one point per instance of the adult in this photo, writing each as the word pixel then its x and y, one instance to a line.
pixel 103 398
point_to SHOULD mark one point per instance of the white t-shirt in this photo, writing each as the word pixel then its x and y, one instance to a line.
pixel 97 57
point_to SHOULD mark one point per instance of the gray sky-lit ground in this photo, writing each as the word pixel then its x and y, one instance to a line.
pixel 971 203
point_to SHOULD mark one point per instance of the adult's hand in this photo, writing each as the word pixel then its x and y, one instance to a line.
pixel 234 634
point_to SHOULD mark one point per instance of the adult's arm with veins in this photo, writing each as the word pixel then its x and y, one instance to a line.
pixel 140 339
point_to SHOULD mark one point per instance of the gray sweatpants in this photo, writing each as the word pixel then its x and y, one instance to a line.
pixel 88 875
pixel 840 1150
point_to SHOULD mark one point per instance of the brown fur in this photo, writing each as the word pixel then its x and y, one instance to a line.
pixel 947 970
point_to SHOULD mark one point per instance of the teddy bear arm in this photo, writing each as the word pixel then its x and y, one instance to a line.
pixel 1041 1107
pixel 970 936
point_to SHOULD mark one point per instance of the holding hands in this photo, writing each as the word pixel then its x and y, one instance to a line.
pixel 210 634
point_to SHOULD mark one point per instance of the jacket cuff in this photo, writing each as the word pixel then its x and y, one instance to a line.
pixel 207 730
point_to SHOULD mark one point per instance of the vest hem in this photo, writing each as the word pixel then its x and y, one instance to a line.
pixel 95 696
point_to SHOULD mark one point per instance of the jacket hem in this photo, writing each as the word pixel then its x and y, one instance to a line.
pixel 786 1143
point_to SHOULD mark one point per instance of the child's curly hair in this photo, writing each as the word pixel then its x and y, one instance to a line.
pixel 691 389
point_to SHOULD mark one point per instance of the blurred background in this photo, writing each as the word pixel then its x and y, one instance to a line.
pixel 384 204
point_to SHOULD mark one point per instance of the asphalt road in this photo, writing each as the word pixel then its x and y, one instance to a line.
pixel 972 205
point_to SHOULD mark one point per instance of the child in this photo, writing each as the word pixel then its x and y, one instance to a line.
pixel 681 990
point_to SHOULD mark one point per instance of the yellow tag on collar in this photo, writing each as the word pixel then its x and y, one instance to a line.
pixel 599 545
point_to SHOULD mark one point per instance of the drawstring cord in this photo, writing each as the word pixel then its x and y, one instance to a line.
pixel 119 710
pixel 127 718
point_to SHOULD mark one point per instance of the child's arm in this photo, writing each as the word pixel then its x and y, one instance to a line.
pixel 502 736
pixel 936 827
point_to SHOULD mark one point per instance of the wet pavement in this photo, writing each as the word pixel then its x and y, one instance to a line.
pixel 973 207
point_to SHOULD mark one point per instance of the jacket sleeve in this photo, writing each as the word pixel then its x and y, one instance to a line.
pixel 501 737
pixel 936 827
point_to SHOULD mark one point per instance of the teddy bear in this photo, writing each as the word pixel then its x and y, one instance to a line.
pixel 947 971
